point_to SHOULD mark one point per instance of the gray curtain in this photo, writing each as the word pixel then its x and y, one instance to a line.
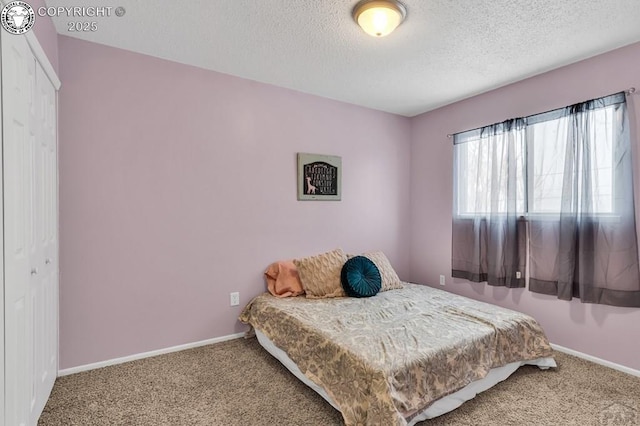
pixel 489 231
pixel 558 185
pixel 589 248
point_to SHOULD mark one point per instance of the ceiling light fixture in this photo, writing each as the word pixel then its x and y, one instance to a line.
pixel 379 17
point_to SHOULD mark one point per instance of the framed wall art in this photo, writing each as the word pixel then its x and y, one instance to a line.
pixel 319 177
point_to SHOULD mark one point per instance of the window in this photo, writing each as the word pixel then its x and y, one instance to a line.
pixel 550 198
pixel 482 188
pixel 538 161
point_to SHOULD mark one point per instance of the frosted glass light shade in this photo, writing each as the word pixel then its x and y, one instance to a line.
pixel 379 17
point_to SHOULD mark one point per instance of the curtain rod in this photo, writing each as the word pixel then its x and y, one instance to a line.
pixel 629 91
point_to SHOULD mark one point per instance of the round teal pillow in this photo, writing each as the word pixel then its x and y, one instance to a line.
pixel 360 277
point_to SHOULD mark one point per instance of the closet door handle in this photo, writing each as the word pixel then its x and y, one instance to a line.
pixel 34 271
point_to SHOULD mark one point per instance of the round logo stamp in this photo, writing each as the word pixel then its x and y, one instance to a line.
pixel 17 17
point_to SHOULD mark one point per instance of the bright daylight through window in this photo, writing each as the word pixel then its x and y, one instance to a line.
pixel 538 162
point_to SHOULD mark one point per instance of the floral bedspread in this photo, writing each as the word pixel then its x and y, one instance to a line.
pixel 385 358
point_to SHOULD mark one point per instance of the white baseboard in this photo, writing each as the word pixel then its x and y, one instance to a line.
pixel 115 361
pixel 93 366
pixel 597 360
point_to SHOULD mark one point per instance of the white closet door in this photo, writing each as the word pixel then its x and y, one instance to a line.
pixel 18 91
pixel 2 343
pixel 44 285
pixel 30 226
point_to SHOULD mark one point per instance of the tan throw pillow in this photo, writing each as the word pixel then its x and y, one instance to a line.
pixel 390 279
pixel 320 275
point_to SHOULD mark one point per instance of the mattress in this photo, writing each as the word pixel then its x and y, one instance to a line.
pixel 439 407
pixel 389 358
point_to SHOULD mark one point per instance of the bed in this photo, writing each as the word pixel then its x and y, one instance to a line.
pixel 399 357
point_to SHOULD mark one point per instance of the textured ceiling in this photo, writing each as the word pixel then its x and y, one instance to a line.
pixel 446 50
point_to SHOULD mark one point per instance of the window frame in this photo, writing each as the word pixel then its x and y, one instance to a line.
pixel 475 136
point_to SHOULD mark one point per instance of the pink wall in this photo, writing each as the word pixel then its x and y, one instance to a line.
pixel 603 331
pixel 46 33
pixel 177 187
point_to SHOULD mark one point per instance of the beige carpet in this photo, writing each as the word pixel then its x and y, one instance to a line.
pixel 238 383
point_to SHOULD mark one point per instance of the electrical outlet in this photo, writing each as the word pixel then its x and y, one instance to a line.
pixel 441 279
pixel 234 298
pixel 518 275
